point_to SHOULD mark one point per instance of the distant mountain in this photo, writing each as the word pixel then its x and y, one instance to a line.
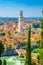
pixel 35 18
pixel 25 18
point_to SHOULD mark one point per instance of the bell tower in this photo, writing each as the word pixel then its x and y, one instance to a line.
pixel 20 22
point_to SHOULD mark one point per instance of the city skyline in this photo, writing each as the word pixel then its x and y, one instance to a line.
pixel 11 8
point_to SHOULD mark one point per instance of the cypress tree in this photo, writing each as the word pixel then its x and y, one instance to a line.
pixel 28 48
pixel 1 48
pixel 41 43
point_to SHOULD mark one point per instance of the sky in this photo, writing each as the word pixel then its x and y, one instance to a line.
pixel 11 8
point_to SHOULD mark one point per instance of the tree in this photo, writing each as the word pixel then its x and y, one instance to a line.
pixel 2 34
pixel 10 47
pixel 0 62
pixel 28 48
pixel 41 43
pixel 42 12
pixel 9 33
pixel 1 48
pixel 4 62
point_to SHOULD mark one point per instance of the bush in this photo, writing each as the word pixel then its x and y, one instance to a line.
pixel 41 61
pixel 38 57
pixel 37 50
pixel 33 63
